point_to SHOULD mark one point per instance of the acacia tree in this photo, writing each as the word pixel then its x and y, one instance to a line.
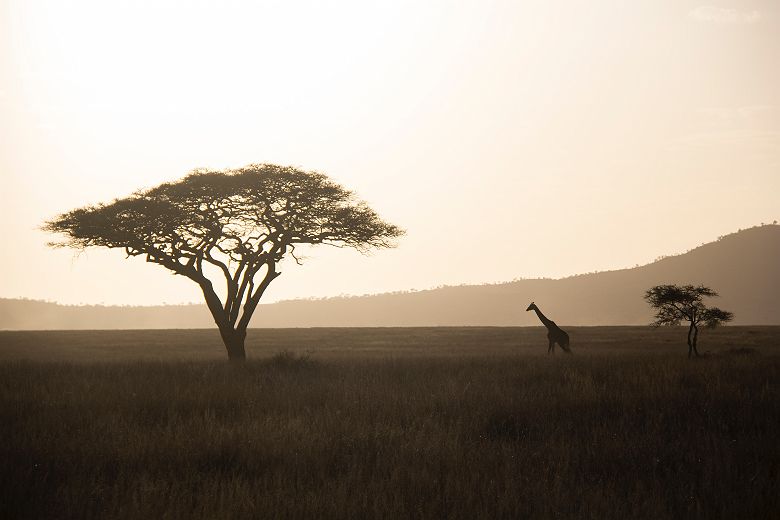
pixel 233 224
pixel 674 304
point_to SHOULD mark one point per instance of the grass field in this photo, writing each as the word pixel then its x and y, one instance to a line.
pixel 390 423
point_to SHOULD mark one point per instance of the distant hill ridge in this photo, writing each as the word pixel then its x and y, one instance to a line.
pixel 744 267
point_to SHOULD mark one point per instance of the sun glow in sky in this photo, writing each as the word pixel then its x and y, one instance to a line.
pixel 510 139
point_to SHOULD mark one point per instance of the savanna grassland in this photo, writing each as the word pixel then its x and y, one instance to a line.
pixel 390 423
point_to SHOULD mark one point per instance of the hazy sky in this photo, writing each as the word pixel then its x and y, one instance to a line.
pixel 510 138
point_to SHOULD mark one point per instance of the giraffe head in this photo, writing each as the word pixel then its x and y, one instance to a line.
pixel 531 307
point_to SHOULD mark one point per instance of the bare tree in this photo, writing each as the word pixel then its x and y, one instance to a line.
pixel 674 304
pixel 232 224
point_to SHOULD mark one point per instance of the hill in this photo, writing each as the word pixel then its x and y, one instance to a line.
pixel 744 267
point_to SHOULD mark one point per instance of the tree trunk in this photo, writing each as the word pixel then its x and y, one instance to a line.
pixel 695 340
pixel 690 340
pixel 234 344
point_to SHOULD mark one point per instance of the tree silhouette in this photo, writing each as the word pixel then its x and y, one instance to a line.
pixel 233 224
pixel 674 304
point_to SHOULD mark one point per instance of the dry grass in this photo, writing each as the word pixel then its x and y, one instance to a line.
pixel 388 423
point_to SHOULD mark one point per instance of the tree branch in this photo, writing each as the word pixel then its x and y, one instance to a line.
pixel 253 298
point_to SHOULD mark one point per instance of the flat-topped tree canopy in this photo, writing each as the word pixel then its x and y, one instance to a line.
pixel 242 222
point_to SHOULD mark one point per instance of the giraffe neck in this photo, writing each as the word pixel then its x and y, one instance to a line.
pixel 547 323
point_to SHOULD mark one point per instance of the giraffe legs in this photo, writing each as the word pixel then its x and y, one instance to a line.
pixel 551 348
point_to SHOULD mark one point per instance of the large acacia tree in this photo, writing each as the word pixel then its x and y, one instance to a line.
pixel 235 225
pixel 674 304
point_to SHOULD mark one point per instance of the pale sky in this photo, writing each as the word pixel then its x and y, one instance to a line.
pixel 509 138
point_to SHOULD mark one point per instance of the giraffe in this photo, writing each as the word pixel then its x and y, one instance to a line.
pixel 554 333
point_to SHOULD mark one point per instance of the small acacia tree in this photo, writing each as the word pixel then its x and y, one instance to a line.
pixel 674 304
pixel 233 224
